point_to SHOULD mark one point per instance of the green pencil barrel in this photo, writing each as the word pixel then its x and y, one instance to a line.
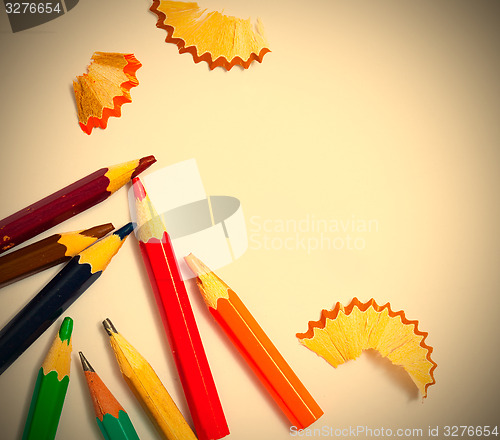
pixel 120 428
pixel 46 406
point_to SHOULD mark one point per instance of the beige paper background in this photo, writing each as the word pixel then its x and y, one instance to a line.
pixel 383 111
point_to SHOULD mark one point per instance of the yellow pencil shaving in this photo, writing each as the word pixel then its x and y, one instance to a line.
pixel 343 333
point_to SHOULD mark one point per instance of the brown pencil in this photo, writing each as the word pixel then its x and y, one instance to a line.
pixel 48 252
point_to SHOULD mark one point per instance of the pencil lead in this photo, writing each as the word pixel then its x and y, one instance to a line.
pixel 109 327
pixel 66 329
pixel 124 230
pixel 144 163
pixel 139 190
pixel 196 265
pixel 85 363
pixel 149 223
pixel 98 231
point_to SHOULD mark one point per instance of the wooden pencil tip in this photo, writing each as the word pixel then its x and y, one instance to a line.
pixel 85 363
pixel 109 327
pixel 196 265
pixel 211 286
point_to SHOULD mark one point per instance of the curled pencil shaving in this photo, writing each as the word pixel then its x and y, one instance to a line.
pixel 217 39
pixel 102 91
pixel 341 334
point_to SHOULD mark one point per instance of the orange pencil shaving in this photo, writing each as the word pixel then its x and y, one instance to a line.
pixel 255 346
pixel 102 91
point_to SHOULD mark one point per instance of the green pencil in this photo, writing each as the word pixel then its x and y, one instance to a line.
pixel 50 387
pixel 112 419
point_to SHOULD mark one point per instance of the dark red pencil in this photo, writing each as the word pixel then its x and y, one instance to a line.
pixel 68 202
pixel 178 320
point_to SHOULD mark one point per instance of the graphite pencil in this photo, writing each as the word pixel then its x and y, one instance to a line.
pixel 67 202
pixel 112 419
pixel 148 389
pixel 256 347
pixel 50 387
pixel 178 320
pixel 48 252
pixel 41 312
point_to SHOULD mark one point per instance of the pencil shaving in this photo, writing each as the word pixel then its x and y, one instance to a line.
pixel 210 36
pixel 102 91
pixel 343 333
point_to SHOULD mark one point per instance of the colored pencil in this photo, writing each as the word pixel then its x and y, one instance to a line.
pixel 48 252
pixel 148 389
pixel 39 314
pixel 68 202
pixel 50 387
pixel 112 419
pixel 178 320
pixel 256 347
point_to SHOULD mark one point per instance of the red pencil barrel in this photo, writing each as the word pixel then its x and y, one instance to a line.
pixel 184 338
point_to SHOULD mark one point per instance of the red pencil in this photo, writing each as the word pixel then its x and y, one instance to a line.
pixel 68 202
pixel 178 320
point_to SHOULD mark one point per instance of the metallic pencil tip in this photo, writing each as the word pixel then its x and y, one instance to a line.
pixel 109 327
pixel 85 363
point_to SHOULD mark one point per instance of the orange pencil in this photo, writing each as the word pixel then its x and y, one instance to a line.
pixel 255 346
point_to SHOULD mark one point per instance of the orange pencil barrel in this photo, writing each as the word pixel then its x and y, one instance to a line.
pixel 256 347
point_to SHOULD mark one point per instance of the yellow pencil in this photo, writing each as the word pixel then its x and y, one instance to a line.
pixel 148 389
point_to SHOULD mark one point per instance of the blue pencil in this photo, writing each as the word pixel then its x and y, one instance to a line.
pixel 41 312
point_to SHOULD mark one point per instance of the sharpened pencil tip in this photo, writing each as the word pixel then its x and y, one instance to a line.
pixel 144 163
pixel 98 231
pixel 85 363
pixel 139 190
pixel 196 265
pixel 66 330
pixel 109 327
pixel 124 231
